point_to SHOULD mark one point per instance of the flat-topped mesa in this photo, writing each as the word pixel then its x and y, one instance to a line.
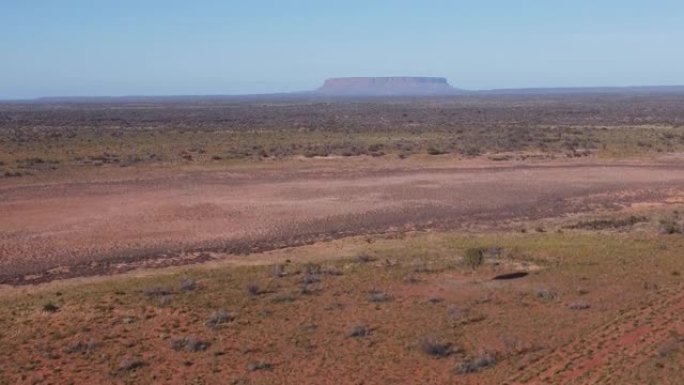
pixel 379 86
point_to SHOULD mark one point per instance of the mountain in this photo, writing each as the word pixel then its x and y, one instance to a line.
pixel 387 86
pixel 366 87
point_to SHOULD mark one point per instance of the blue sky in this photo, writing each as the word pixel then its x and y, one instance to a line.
pixel 150 47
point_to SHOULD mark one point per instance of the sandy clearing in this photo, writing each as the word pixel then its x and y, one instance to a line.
pixel 98 223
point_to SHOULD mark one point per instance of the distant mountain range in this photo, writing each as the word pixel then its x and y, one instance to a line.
pixel 435 86
pixel 395 86
pixel 388 86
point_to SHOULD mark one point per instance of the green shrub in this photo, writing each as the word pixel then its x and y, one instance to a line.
pixel 474 257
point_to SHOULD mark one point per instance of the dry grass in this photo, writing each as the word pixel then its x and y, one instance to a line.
pixel 280 332
pixel 36 139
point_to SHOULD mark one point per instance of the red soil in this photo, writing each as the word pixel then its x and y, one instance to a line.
pixel 70 229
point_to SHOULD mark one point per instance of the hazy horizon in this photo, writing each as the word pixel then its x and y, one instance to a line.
pixel 124 48
pixel 468 92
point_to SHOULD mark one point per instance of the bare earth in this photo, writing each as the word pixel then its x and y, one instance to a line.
pixel 55 230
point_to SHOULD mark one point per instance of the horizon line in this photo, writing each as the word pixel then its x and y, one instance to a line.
pixel 459 92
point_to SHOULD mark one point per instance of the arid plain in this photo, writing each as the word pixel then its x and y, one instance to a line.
pixel 476 240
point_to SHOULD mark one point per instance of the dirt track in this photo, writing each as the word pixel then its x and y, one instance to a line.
pixel 75 229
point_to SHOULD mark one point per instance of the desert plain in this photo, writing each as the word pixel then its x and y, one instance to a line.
pixel 494 239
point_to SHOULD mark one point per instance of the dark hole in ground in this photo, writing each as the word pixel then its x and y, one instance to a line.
pixel 516 275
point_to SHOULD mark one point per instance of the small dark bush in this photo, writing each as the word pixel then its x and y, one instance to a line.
pixel 15 174
pixel 357 331
pixel 309 279
pixel 545 294
pixel 432 346
pixel 379 296
pixel 253 289
pixel 130 363
pixel 193 344
pixel 81 347
pixel 578 306
pixel 177 343
pixel 306 289
pixel 156 291
pixel 474 257
pixel 670 226
pixel 50 307
pixel 671 346
pixel 189 343
pixel 312 269
pixel 259 365
pixel 472 151
pixel 188 285
pixel 435 151
pixel 219 317
pixel 476 364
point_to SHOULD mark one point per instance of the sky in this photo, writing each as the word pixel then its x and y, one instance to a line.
pixel 172 47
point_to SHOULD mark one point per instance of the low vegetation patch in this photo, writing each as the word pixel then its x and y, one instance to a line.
pixel 156 291
pixel 546 294
pixel 429 328
pixel 610 223
pixel 43 137
pixel 50 307
pixel 474 257
pixel 254 289
pixel 128 364
pixel 189 343
pixel 360 330
pixel 578 305
pixel 379 296
pixel 81 347
pixel 436 347
pixel 220 317
pixel 670 226
pixel 671 346
pixel 475 364
pixel 187 284
pixel 259 365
